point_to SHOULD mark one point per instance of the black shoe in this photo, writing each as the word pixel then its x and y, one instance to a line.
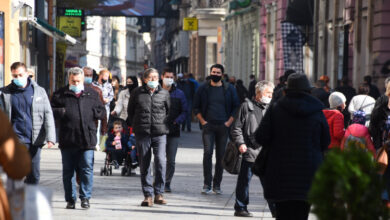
pixel 243 213
pixel 85 203
pixel 167 188
pixel 71 205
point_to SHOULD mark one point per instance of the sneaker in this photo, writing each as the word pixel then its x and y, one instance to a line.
pixel 147 201
pixel 206 189
pixel 217 190
pixel 85 203
pixel 116 164
pixel 167 188
pixel 71 205
pixel 159 199
pixel 243 213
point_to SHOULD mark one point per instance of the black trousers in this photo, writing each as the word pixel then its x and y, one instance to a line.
pixel 292 210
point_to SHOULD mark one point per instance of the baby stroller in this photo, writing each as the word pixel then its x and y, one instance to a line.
pixel 126 160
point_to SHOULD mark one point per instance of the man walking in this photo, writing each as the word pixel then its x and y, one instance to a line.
pixel 247 121
pixel 147 114
pixel 77 107
pixel 177 115
pixel 28 108
pixel 215 103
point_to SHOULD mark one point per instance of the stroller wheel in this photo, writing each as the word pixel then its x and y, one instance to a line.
pixel 101 171
pixel 124 171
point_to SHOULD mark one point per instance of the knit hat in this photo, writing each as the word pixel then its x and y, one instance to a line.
pixel 298 82
pixel 359 117
pixel 336 99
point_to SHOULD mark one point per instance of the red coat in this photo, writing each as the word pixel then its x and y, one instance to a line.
pixel 336 126
pixel 359 131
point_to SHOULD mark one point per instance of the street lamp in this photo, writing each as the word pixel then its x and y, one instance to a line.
pixel 174 4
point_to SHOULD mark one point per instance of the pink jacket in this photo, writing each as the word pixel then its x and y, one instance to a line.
pixel 359 131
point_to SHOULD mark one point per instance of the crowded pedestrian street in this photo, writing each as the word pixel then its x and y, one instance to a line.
pixel 118 197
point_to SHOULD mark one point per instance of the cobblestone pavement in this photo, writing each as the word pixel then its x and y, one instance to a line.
pixel 118 197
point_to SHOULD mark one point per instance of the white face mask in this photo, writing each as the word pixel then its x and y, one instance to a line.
pixel 168 82
pixel 265 100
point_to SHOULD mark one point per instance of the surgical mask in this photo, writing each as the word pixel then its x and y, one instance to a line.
pixel 265 100
pixel 76 89
pixel 215 78
pixel 168 82
pixel 20 82
pixel 88 80
pixel 152 84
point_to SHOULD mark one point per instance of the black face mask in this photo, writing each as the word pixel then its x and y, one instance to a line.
pixel 104 81
pixel 130 87
pixel 215 78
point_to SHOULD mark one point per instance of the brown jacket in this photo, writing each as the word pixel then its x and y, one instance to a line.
pixel 14 158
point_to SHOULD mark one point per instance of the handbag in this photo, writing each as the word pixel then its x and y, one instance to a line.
pixel 259 166
pixel 232 159
pixel 382 159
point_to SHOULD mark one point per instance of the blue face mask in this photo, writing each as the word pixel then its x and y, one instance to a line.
pixel 76 89
pixel 88 80
pixel 20 82
pixel 152 84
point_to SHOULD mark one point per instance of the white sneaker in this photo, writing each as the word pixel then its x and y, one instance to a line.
pixel 206 190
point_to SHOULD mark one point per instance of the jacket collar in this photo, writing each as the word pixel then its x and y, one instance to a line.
pixel 146 90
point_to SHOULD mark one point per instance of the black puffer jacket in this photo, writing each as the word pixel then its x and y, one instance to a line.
pixel 296 133
pixel 147 113
pixel 76 117
pixel 245 124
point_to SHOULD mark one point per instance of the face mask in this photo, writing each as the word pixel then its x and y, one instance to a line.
pixel 152 84
pixel 88 80
pixel 265 100
pixel 104 81
pixel 215 78
pixel 20 82
pixel 76 89
pixel 168 82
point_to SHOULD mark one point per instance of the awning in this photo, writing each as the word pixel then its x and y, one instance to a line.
pixel 50 30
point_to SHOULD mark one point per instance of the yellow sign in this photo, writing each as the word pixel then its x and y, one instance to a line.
pixel 70 25
pixel 190 24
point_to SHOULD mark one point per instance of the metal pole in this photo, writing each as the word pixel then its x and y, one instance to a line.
pixel 54 14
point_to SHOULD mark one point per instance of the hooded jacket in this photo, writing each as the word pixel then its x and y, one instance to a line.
pixel 359 131
pixel 295 133
pixel 378 118
pixel 335 121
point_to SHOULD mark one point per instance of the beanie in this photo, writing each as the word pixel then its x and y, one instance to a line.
pixel 336 99
pixel 298 82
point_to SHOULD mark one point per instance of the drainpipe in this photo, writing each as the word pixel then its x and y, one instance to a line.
pixel 54 14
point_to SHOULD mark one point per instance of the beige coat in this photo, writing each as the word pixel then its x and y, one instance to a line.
pixel 14 158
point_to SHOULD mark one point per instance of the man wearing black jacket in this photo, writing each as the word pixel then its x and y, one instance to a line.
pixel 76 108
pixel 148 115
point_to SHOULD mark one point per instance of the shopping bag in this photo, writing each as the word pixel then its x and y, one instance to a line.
pixel 102 142
pixel 30 202
pixel 232 159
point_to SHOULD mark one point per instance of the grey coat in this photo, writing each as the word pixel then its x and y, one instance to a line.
pixel 244 127
pixel 42 115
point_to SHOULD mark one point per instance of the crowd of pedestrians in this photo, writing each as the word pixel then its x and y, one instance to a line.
pixel 288 128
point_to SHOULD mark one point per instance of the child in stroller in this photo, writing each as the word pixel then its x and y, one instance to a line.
pixel 118 148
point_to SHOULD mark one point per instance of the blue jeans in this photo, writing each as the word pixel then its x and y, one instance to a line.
pixel 189 114
pixel 242 187
pixel 133 155
pixel 35 154
pixel 219 134
pixel 172 144
pixel 145 145
pixel 82 160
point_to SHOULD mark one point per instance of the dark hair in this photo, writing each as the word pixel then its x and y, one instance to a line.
pixel 117 122
pixel 190 75
pixel 168 70
pixel 288 72
pixel 16 65
pixel 116 78
pixel 367 79
pixel 239 82
pixel 363 89
pixel 218 66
